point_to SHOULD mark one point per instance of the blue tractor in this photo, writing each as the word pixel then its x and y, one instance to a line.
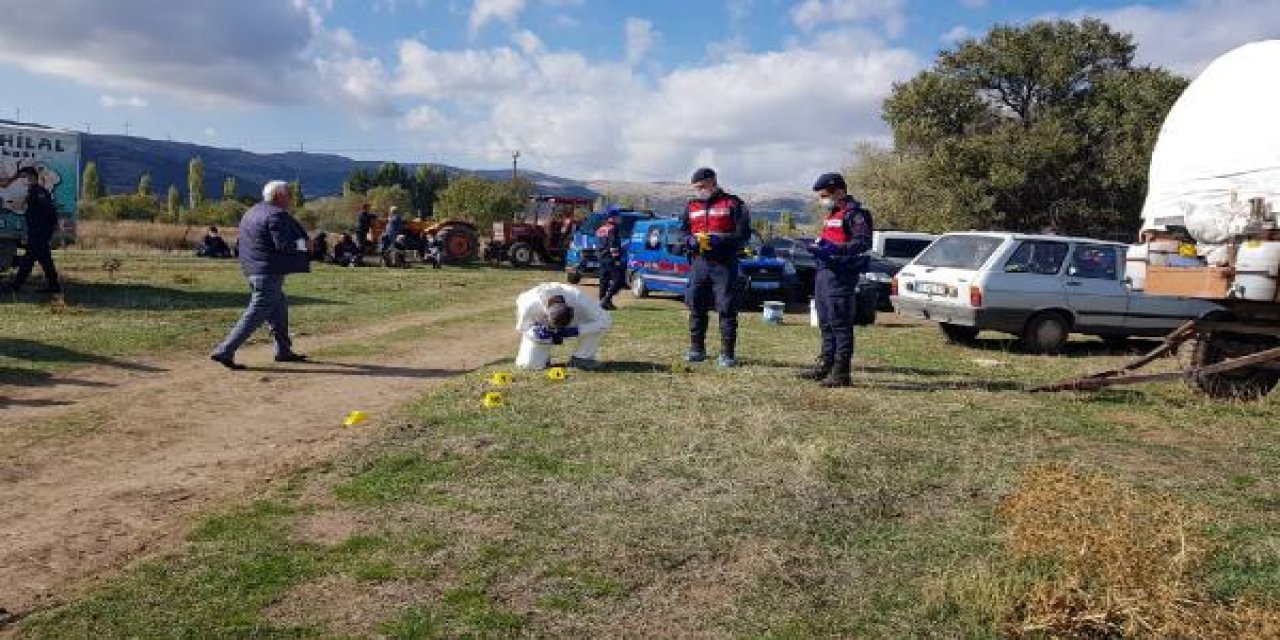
pixel 581 259
pixel 656 263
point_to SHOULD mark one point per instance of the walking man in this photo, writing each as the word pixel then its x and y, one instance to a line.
pixel 42 223
pixel 717 227
pixel 364 224
pixel 273 244
pixel 612 271
pixel 840 252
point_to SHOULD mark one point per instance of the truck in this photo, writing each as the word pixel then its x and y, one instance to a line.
pixel 582 259
pixel 55 155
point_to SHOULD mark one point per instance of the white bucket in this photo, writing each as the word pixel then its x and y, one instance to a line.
pixel 1135 267
pixel 1257 271
pixel 774 312
pixel 813 313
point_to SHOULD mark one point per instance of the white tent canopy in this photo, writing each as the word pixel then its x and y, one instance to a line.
pixel 1222 137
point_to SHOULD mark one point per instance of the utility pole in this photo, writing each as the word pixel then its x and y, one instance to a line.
pixel 17 114
pixel 126 128
pixel 515 160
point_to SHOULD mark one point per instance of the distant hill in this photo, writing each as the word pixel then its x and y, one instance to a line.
pixel 123 159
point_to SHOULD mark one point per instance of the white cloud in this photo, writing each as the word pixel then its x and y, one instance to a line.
pixel 956 34
pixel 485 11
pixel 112 102
pixel 812 14
pixel 210 132
pixel 205 52
pixel 1188 36
pixel 762 119
pixel 640 39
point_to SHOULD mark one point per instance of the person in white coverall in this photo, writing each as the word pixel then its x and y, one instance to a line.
pixel 550 313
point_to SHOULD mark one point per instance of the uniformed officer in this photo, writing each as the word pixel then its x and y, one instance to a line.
pixel 717 227
pixel 612 272
pixel 840 252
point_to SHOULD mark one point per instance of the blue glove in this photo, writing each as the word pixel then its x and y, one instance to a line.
pixel 543 333
pixel 691 243
pixel 569 332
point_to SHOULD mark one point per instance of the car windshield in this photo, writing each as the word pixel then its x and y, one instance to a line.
pixel 959 252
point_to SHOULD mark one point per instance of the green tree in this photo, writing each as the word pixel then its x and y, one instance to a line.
pixel 295 189
pixel 91 183
pixel 144 184
pixel 229 188
pixel 787 222
pixel 390 174
pixel 426 184
pixel 195 183
pixel 381 199
pixel 130 206
pixel 480 201
pixel 175 202
pixel 1044 124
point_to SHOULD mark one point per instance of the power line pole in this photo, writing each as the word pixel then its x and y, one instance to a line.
pixel 515 160
pixel 126 128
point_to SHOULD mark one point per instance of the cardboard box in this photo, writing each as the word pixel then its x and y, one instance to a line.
pixel 1196 282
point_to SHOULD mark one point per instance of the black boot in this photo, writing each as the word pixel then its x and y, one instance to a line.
pixel 839 375
pixel 821 367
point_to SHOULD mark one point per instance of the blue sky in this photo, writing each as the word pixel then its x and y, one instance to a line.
pixel 770 92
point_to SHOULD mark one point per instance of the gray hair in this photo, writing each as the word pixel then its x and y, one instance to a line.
pixel 271 190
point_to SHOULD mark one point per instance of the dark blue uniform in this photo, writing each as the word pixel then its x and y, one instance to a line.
pixel 841 257
pixel 612 271
pixel 713 274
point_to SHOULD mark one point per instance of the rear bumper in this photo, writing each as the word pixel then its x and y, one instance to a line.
pixel 949 313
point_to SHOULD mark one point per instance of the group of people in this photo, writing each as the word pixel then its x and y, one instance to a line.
pixel 717 226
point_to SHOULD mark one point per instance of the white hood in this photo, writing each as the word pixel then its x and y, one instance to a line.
pixel 531 308
pixel 1221 137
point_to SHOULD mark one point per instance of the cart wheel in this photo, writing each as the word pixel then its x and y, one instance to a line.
pixel 1245 383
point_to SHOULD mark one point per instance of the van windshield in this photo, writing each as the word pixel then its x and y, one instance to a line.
pixel 904 248
pixel 959 252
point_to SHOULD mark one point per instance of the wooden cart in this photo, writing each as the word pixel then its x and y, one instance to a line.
pixel 1235 353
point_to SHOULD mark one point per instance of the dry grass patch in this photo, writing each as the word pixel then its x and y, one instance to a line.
pixel 1118 563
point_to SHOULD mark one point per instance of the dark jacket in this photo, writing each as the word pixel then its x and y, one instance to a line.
pixel 850 257
pixel 41 212
pixel 272 242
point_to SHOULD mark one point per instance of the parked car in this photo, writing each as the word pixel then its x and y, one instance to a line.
pixel 657 263
pixel 877 279
pixel 1040 288
pixel 582 259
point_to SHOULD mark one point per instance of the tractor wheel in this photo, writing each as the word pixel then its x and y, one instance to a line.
pixel 638 288
pixel 8 249
pixel 520 254
pixel 1046 333
pixel 958 333
pixel 1247 383
pixel 459 244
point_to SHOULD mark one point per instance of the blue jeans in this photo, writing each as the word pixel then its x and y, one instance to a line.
pixel 266 304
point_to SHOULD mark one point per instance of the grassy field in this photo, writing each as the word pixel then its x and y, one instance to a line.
pixel 123 304
pixel 933 500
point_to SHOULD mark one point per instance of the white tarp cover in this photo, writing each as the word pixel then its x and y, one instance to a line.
pixel 1222 136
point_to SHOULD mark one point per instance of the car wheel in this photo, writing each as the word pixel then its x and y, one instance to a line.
pixel 1046 333
pixel 638 288
pixel 958 333
pixel 573 278
pixel 520 254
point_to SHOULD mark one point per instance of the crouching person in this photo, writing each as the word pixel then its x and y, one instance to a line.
pixel 551 313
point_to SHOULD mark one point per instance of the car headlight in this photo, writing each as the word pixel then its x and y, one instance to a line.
pixel 876 276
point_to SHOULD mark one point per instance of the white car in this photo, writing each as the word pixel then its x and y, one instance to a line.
pixel 1041 288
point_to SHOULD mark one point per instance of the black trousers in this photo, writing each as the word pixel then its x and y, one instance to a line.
pixel 713 285
pixel 612 277
pixel 38 251
pixel 835 296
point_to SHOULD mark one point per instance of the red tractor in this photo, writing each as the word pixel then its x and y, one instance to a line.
pixel 543 232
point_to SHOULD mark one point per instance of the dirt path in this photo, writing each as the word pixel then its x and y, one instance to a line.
pixel 138 450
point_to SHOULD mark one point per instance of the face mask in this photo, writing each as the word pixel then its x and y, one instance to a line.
pixel 827 204
pixel 705 193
